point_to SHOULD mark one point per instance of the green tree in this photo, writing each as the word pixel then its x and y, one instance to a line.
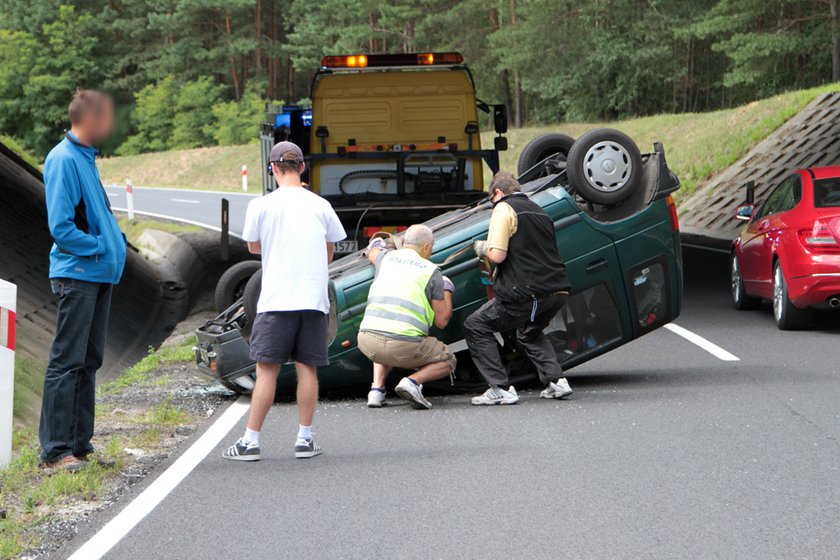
pixel 238 122
pixel 153 118
pixel 193 122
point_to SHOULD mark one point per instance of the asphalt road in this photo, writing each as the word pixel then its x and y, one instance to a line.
pixel 203 208
pixel 664 451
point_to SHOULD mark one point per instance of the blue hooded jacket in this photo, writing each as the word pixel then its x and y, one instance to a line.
pixel 89 245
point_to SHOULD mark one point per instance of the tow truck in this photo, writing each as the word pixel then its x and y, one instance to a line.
pixel 389 140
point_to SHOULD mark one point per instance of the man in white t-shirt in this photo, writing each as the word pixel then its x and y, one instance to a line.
pixel 294 230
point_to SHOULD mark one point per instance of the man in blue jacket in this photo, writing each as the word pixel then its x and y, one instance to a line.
pixel 86 261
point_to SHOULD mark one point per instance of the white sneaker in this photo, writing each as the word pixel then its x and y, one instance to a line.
pixel 496 395
pixel 413 393
pixel 376 399
pixel 558 390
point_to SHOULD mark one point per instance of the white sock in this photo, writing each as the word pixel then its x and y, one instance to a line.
pixel 304 432
pixel 251 437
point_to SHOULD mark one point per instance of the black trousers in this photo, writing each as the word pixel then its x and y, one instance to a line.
pixel 69 401
pixel 529 322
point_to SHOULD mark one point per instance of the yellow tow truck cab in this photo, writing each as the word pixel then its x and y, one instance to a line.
pixel 390 139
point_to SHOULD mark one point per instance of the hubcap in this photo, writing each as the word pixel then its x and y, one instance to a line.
pixel 778 292
pixel 736 279
pixel 607 166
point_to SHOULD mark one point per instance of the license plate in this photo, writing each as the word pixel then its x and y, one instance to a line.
pixel 346 246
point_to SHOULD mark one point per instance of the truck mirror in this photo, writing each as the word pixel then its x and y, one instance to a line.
pixel 500 143
pixel 471 128
pixel 500 119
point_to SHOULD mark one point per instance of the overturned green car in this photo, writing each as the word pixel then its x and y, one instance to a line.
pixel 617 231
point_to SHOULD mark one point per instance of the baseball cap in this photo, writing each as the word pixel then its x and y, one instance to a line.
pixel 281 148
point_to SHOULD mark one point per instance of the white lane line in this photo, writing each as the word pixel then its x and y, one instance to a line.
pixel 186 200
pixel 177 219
pixel 107 537
pixel 182 191
pixel 706 345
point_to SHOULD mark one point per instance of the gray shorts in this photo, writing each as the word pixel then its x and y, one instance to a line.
pixel 281 336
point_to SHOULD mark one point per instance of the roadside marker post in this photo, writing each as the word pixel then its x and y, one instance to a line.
pixel 8 307
pixel 244 178
pixel 224 245
pixel 129 199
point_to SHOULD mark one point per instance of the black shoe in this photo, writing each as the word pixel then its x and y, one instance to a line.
pixel 241 451
pixel 306 449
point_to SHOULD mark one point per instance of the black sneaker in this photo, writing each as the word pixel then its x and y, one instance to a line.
pixel 306 449
pixel 241 451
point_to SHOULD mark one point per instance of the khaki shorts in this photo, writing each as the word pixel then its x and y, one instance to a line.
pixel 406 354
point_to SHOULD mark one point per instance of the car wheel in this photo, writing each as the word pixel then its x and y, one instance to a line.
pixel 252 296
pixel 787 316
pixel 604 166
pixel 231 286
pixel 740 299
pixel 544 147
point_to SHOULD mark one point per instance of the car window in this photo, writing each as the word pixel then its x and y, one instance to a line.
pixel 827 193
pixel 778 199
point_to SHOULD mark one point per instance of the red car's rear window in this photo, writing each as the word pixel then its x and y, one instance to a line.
pixel 827 193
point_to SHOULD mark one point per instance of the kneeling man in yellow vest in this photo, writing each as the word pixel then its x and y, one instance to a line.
pixel 408 295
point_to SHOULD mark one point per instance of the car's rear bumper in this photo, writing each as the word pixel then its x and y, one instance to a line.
pixel 820 285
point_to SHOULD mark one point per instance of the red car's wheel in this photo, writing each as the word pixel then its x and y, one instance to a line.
pixel 740 299
pixel 788 316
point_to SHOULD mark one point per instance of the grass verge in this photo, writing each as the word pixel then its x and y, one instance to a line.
pixel 216 168
pixel 33 498
pixel 133 229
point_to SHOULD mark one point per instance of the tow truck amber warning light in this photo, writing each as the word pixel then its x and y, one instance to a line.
pixel 382 60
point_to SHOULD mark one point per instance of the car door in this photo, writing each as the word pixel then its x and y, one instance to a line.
pixel 757 239
pixel 590 323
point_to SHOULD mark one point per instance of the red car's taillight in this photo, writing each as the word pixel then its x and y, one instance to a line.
pixel 672 209
pixel 820 237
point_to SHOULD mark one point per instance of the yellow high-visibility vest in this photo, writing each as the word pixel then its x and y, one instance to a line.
pixel 397 302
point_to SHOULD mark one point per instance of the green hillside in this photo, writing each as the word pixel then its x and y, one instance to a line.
pixel 698 146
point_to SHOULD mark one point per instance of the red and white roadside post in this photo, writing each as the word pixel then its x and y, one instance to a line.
pixel 8 306
pixel 244 178
pixel 129 199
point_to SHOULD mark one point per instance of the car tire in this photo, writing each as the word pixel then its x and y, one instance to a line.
pixel 231 286
pixel 788 317
pixel 740 299
pixel 251 295
pixel 604 166
pixel 542 147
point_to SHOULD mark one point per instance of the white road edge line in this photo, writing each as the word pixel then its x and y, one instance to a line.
pixel 187 200
pixel 176 219
pixel 206 191
pixel 109 535
pixel 706 345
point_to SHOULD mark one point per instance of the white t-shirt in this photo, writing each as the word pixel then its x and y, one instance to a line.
pixel 293 226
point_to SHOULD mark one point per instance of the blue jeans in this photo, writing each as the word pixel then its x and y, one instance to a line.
pixel 67 408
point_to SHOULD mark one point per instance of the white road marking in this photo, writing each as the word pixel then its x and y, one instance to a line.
pixel 706 345
pixel 182 191
pixel 187 200
pixel 177 219
pixel 107 537
pixel 705 248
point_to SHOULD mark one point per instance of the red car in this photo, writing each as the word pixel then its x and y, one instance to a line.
pixel 789 253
